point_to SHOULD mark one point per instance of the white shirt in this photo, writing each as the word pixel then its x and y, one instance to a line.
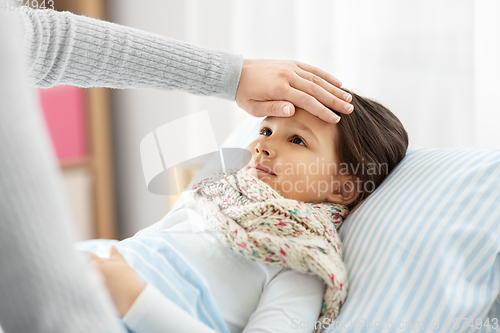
pixel 251 296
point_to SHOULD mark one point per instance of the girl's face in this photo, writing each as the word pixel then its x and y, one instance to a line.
pixel 298 153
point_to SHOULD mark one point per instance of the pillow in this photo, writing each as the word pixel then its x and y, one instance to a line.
pixel 423 250
pixel 244 134
pixel 234 159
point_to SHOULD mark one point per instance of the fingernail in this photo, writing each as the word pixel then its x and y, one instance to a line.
pixel 348 107
pixel 339 83
pixel 346 97
pixel 335 118
pixel 286 110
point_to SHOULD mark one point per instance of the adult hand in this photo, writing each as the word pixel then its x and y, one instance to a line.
pixel 123 284
pixel 273 87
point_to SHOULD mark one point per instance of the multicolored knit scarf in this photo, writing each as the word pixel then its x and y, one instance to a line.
pixel 257 222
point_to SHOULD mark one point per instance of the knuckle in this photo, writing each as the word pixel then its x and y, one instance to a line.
pixel 284 73
pixel 307 100
pixel 275 108
pixel 336 103
pixel 280 90
pixel 316 80
pixel 314 89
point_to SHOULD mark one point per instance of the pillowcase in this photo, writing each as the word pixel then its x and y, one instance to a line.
pixel 244 133
pixel 422 252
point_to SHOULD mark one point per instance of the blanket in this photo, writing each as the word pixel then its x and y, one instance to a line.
pixel 158 260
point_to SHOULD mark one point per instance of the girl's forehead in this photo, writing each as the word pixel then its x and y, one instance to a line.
pixel 323 131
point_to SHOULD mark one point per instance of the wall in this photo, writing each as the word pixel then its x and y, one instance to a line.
pixel 434 64
pixel 138 112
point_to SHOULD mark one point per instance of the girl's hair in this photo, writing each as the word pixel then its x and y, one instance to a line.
pixel 371 142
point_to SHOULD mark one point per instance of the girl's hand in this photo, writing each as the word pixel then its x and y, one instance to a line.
pixel 122 282
pixel 269 87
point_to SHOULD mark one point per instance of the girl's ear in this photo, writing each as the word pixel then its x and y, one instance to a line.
pixel 347 192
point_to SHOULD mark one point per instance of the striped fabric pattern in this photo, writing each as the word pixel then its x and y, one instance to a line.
pixel 157 260
pixel 424 248
pixel 422 251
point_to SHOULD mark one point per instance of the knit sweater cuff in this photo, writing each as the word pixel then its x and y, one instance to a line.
pixel 232 77
pixel 64 48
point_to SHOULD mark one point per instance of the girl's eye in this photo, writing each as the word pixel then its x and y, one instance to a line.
pixel 296 137
pixel 264 129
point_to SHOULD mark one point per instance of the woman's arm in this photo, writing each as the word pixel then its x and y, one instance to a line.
pixel 64 48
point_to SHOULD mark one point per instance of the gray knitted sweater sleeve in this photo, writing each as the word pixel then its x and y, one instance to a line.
pixel 64 48
pixel 45 284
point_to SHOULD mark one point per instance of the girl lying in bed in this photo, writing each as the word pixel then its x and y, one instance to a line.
pixel 258 249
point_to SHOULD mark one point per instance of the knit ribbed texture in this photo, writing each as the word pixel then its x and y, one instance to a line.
pixel 257 222
pixel 64 48
pixel 45 285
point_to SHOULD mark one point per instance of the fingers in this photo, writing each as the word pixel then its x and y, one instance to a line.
pixel 266 86
pixel 302 100
pixel 272 108
pixel 334 98
pixel 114 254
pixel 320 73
pixel 337 92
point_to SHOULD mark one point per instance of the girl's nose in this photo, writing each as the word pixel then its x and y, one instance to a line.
pixel 264 148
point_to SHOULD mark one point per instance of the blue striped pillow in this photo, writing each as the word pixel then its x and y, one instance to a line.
pixel 424 248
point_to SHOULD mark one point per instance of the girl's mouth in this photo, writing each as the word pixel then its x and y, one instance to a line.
pixel 260 168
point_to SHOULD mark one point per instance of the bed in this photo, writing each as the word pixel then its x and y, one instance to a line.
pixel 423 251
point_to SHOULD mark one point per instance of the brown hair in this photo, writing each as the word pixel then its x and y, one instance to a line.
pixel 369 137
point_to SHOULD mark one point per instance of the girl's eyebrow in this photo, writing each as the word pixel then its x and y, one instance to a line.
pixel 297 125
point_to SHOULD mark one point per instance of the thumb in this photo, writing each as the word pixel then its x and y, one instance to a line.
pixel 114 254
pixel 273 108
pixel 288 109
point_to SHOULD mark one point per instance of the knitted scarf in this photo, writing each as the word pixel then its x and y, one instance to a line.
pixel 257 222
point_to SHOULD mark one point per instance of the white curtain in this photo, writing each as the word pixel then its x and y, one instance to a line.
pixel 433 63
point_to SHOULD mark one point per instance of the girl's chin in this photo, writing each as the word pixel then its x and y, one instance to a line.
pixel 249 171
